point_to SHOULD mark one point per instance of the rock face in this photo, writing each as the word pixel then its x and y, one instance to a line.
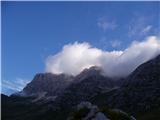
pixel 86 85
pixel 140 91
pixel 147 74
pixel 69 90
pixel 142 87
pixel 58 94
pixel 48 83
pixel 87 111
pixel 90 112
pixel 100 116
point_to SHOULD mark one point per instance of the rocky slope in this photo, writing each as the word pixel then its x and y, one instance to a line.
pixel 140 91
pixel 48 83
pixel 138 94
pixel 86 85
pixel 87 111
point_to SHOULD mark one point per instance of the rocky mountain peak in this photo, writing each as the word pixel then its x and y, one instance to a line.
pixel 58 94
pixel 146 74
pixel 88 72
pixel 52 84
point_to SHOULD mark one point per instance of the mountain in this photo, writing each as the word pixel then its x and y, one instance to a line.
pixel 69 91
pixel 64 87
pixel 137 94
pixel 145 75
pixel 88 83
pixel 48 83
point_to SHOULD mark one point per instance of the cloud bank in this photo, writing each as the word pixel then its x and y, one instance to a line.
pixel 75 57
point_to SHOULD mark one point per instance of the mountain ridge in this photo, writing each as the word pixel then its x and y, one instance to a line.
pixel 132 95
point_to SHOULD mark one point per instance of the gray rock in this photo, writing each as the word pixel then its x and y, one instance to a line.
pixel 49 83
pixel 100 116
pixel 84 104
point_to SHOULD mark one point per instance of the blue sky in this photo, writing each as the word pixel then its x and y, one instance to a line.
pixel 31 31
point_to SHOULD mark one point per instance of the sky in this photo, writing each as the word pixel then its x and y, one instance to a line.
pixel 32 31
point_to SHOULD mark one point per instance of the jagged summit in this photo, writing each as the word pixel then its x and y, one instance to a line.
pixel 87 72
pixel 55 84
pixel 58 94
pixel 52 84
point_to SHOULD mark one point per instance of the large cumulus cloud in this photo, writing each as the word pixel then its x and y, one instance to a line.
pixel 75 57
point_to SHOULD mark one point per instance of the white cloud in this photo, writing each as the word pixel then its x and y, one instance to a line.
pixel 139 26
pixel 105 24
pixel 115 43
pixel 16 85
pixel 146 29
pixel 75 57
